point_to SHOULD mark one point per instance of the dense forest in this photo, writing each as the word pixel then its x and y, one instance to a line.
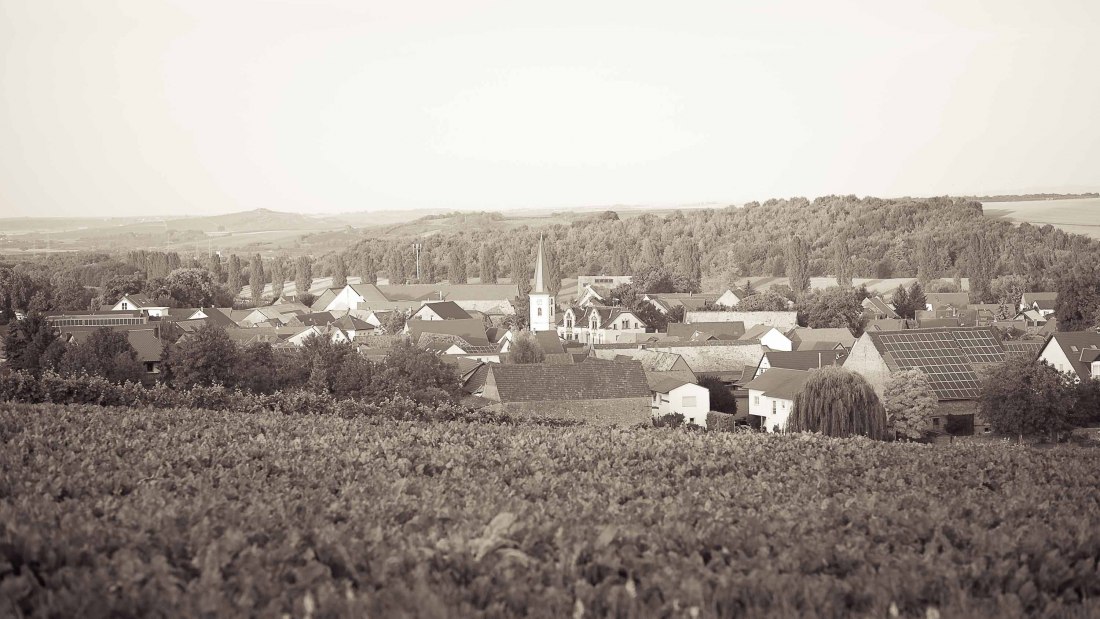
pixel 844 236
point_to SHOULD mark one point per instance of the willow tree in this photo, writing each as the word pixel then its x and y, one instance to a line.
pixel 838 402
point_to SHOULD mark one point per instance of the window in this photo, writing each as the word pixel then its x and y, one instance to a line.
pixel 124 305
pixel 756 400
pixel 540 311
pixel 774 402
pixel 688 400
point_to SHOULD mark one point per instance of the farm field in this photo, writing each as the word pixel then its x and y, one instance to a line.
pixel 116 512
pixel 1079 216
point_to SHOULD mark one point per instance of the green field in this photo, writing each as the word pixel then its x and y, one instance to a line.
pixel 1079 216
pixel 115 512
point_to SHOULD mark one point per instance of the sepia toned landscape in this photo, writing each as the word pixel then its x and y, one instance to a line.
pixel 481 309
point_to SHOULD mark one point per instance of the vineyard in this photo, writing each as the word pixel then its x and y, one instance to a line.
pixel 127 512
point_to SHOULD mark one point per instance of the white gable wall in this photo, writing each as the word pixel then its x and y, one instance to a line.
pixel 775 340
pixel 1053 354
pixel 773 412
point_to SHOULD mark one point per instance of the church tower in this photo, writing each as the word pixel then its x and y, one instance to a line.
pixel 542 304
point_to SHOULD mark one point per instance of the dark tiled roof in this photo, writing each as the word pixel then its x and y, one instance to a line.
pixel 837 334
pixel 943 299
pixel 448 310
pixel 663 383
pixel 804 359
pixel 470 329
pixel 879 307
pixel 756 332
pixel 347 321
pixel 369 292
pixel 779 382
pixel 1076 345
pixel 539 382
pixel 549 342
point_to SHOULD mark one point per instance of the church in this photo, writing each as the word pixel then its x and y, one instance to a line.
pixel 542 303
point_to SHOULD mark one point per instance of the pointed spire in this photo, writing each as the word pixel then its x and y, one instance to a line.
pixel 541 276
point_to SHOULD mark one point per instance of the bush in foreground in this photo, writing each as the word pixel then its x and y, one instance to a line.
pixel 188 513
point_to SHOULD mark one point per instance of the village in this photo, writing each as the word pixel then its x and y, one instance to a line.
pixel 586 356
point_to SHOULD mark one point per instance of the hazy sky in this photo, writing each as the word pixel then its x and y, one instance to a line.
pixel 196 106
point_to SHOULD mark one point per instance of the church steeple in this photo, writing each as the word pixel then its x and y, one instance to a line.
pixel 542 304
pixel 541 276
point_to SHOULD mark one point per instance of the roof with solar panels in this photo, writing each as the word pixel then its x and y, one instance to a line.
pixel 949 356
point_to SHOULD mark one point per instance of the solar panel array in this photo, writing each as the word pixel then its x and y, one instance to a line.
pixel 945 356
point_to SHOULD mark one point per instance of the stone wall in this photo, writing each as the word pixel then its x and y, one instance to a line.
pixel 784 321
pixel 611 412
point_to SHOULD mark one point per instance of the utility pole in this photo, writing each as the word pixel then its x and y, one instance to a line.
pixel 417 247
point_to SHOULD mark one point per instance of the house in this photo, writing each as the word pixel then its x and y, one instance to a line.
pixel 771 396
pixel 132 302
pixel 440 310
pixel 353 326
pixel 706 330
pixel 488 298
pixel 1076 353
pixel 601 393
pixel 600 325
pixel 658 365
pixel 876 308
pixel 218 316
pixel 886 324
pixel 607 281
pixel 767 335
pixel 804 337
pixel 798 360
pixel 145 341
pixel 1038 301
pixel 946 300
pixel 592 294
pixel 951 357
pixel 470 330
pixel 96 318
pixel 274 315
pixel 784 321
pixel 354 296
pixel 665 302
pixel 328 332
pixel 676 396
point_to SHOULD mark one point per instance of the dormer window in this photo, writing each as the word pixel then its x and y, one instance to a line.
pixel 125 306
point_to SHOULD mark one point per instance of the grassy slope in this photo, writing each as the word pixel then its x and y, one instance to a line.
pixel 123 512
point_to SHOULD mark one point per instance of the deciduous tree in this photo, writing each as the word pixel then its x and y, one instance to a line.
pixel 1022 397
pixel 526 349
pixel 105 353
pixel 910 403
pixel 798 265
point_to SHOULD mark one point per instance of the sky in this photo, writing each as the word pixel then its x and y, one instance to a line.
pixel 129 107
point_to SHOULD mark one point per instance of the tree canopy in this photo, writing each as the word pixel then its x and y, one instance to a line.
pixel 910 403
pixel 838 402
